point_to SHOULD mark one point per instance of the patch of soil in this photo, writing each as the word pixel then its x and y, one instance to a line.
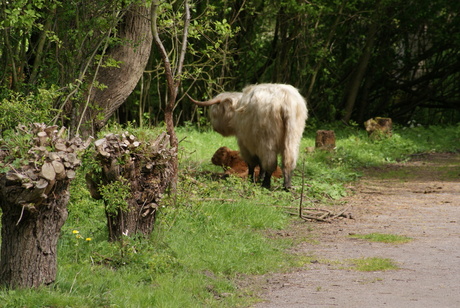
pixel 419 199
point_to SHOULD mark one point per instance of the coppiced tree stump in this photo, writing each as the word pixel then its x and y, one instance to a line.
pixel 33 199
pixel 146 168
pixel 378 128
pixel 325 140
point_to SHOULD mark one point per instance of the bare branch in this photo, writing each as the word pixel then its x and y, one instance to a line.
pixel 159 43
pixel 180 65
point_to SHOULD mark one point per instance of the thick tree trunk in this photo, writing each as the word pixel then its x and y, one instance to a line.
pixel 147 187
pixel 145 167
pixel 133 55
pixel 29 239
pixel 33 199
pixel 146 193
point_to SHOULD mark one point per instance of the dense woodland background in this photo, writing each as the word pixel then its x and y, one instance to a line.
pixel 76 63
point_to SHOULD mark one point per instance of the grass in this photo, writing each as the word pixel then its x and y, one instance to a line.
pixel 383 238
pixel 368 264
pixel 372 264
pixel 212 233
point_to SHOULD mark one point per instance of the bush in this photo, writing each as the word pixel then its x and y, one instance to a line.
pixel 17 108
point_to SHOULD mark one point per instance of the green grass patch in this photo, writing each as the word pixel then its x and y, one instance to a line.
pixel 383 238
pixel 373 264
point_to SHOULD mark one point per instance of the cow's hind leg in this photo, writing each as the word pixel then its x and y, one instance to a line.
pixel 287 174
pixel 251 160
pixel 267 180
pixel 261 174
pixel 268 164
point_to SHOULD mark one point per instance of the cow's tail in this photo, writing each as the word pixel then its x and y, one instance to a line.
pixel 295 114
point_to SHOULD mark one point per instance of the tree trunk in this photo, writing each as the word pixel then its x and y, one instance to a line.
pixel 40 52
pixel 173 79
pixel 33 199
pixel 325 140
pixel 145 167
pixel 360 71
pixel 326 47
pixel 29 239
pixel 378 128
pixel 146 190
pixel 133 55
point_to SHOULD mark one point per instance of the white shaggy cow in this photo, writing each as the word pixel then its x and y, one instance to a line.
pixel 267 120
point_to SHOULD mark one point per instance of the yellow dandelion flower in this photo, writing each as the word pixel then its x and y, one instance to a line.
pixel 75 231
pixel 88 239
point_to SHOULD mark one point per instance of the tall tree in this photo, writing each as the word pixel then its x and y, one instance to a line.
pixel 360 70
pixel 112 85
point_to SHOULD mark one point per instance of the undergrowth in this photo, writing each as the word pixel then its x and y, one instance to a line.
pixel 212 233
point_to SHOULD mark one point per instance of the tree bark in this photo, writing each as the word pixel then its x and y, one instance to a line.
pixel 40 51
pixel 325 140
pixel 33 199
pixel 119 82
pixel 147 189
pixel 378 128
pixel 29 239
pixel 143 166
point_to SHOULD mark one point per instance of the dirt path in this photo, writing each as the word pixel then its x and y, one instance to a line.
pixel 419 199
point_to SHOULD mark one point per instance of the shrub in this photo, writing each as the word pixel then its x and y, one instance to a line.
pixel 17 108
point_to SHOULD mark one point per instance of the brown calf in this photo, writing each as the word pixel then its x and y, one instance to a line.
pixel 232 163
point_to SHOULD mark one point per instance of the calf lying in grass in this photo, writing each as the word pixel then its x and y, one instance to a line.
pixel 232 163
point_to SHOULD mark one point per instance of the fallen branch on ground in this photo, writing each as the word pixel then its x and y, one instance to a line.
pixel 323 215
pixel 215 199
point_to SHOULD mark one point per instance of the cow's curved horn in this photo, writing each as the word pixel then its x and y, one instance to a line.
pixel 205 103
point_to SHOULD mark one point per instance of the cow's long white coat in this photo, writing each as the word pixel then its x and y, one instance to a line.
pixel 267 120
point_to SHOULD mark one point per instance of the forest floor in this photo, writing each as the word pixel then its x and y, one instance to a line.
pixel 419 199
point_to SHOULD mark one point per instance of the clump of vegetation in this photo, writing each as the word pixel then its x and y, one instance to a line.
pixel 16 108
pixel 383 238
pixel 373 264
